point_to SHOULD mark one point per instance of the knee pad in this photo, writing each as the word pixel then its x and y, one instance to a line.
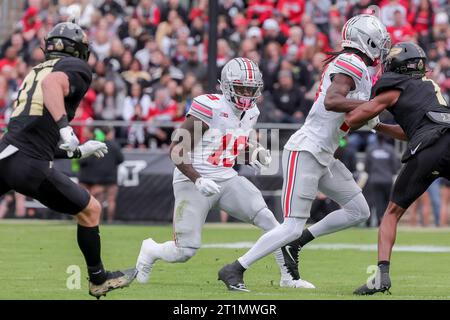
pixel 184 254
pixel 358 208
pixel 265 220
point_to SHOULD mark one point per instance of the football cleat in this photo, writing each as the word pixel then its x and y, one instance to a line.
pixel 233 277
pixel 301 284
pixel 372 287
pixel 145 261
pixel 114 280
pixel 290 255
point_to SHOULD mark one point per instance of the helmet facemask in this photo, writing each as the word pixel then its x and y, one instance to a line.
pixel 244 96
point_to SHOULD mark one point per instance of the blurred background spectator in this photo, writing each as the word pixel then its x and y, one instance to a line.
pixel 381 165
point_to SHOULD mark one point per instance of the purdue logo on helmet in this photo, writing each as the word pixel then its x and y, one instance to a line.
pixel 406 58
pixel 241 82
pixel 67 39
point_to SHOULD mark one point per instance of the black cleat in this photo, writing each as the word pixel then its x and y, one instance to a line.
pixel 114 280
pixel 290 255
pixel 233 277
pixel 371 287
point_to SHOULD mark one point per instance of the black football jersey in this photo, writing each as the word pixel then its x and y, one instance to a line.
pixel 419 96
pixel 31 127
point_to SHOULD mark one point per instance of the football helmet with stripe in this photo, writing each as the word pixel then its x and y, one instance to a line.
pixel 241 82
pixel 367 34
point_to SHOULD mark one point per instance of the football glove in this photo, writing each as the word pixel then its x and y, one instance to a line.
pixel 260 157
pixel 92 147
pixel 69 140
pixel 207 187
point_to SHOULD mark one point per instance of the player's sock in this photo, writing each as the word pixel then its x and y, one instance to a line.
pixel 353 212
pixel 384 266
pixel 266 221
pixel 89 243
pixel 304 239
pixel 286 232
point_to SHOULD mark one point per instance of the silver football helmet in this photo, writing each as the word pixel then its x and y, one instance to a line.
pixel 366 33
pixel 241 82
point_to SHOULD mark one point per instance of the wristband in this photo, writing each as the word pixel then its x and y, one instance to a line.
pixel 76 154
pixel 63 122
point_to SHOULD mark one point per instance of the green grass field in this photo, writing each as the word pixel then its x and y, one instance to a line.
pixel 34 257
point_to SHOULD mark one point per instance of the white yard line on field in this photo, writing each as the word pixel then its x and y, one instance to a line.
pixel 337 246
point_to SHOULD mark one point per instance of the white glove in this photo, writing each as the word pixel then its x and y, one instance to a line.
pixel 69 140
pixel 92 147
pixel 260 158
pixel 207 187
pixel 373 123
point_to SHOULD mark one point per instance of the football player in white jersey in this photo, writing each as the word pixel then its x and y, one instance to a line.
pixel 308 162
pixel 217 128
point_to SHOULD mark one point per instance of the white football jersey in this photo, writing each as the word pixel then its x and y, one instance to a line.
pixel 214 156
pixel 323 129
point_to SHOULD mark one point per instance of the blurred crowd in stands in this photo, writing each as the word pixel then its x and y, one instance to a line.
pixel 149 57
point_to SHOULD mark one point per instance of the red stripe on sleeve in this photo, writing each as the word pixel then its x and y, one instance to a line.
pixel 349 67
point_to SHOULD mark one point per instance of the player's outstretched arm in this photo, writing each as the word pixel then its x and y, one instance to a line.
pixel 370 109
pixel 335 99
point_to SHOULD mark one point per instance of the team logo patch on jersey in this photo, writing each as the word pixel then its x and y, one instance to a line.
pixel 224 114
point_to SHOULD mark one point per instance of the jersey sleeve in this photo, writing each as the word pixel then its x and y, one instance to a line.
pixel 350 65
pixel 202 109
pixel 79 73
pixel 389 81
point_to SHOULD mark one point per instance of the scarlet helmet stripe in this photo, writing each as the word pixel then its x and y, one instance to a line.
pixel 249 68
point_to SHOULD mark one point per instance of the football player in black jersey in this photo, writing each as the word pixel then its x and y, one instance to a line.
pixel 423 118
pixel 46 103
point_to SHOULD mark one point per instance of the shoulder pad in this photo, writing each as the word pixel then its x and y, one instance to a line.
pixel 390 80
pixel 253 111
pixel 212 101
pixel 351 64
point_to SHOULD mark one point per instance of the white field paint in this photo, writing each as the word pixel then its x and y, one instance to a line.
pixel 337 246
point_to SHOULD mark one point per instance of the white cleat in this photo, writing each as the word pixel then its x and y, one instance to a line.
pixel 145 261
pixel 289 283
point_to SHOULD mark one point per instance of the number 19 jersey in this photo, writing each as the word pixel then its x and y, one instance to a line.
pixel 215 154
pixel 323 129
